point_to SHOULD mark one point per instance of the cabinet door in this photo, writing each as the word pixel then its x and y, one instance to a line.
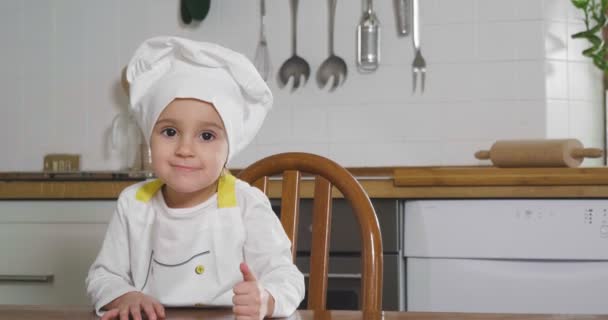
pixel 47 247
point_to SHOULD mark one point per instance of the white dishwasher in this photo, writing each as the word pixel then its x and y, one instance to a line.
pixel 518 256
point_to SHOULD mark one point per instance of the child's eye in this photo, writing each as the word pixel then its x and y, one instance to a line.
pixel 207 136
pixel 169 132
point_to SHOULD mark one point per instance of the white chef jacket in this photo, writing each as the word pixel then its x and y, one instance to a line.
pixel 191 256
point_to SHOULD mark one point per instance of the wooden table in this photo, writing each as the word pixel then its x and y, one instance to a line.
pixel 78 313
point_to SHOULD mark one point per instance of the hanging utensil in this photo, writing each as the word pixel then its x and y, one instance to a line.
pixel 419 64
pixel 295 67
pixel 262 56
pixel 368 40
pixel 402 14
pixel 334 66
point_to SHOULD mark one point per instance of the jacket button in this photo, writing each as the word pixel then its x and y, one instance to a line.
pixel 199 269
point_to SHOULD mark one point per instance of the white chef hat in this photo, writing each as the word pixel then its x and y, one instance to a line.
pixel 165 68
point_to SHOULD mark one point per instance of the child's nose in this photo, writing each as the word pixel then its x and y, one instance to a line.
pixel 184 148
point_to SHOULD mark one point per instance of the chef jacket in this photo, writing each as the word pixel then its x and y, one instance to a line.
pixel 191 256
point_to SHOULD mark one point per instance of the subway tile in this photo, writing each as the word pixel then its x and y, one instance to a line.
pixel 447 82
pixel 310 124
pixel 557 80
pixel 454 12
pixel 132 30
pixel 69 76
pixel 530 79
pixel 493 120
pixel 586 120
pixel 246 157
pixel 409 153
pixel 360 124
pixel 584 81
pixel 495 80
pixel 277 126
pixel 496 10
pixel 498 41
pixel 350 154
pixel 462 152
pixel 529 9
pixel 556 10
pixel 530 38
pixel 556 42
pixel 418 121
pixel 449 43
pixel 161 17
pixel 558 119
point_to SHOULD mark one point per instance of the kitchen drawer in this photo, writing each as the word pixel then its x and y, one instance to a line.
pixel 344 282
pixel 47 247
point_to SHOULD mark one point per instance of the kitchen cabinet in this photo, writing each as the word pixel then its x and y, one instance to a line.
pixel 344 276
pixel 46 248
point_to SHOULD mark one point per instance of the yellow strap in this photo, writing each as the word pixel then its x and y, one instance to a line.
pixel 226 194
pixel 148 190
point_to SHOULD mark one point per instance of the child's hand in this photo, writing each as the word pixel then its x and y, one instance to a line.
pixel 134 303
pixel 251 300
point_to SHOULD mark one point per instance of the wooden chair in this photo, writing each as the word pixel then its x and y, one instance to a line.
pixel 327 174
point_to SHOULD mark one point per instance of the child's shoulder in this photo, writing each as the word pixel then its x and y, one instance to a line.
pixel 249 193
pixel 140 192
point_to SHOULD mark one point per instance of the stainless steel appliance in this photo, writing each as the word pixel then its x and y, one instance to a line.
pixel 344 279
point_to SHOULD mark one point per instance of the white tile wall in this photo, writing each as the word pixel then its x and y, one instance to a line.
pixel 496 70
pixel 575 105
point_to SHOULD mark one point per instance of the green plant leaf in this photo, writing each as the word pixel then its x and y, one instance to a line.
pixel 596 17
pixel 595 40
pixel 580 35
pixel 581 4
pixel 589 52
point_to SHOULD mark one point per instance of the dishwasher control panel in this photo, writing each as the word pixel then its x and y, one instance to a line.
pixel 560 229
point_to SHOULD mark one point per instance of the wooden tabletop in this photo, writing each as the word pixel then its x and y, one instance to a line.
pixel 80 313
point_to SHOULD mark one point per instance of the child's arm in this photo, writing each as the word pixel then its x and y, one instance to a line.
pixel 109 276
pixel 268 254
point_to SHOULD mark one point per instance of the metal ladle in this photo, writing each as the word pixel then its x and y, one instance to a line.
pixel 334 66
pixel 295 66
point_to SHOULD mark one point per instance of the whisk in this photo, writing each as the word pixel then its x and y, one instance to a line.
pixel 262 57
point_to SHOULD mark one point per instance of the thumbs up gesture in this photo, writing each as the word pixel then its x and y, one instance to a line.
pixel 251 300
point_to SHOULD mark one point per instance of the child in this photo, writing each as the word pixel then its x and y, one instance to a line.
pixel 197 236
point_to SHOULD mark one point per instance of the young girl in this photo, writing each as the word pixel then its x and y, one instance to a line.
pixel 197 236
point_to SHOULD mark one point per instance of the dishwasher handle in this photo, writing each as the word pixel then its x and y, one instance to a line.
pixel 356 276
pixel 36 278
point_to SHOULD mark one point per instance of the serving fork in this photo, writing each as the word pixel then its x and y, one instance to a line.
pixel 418 65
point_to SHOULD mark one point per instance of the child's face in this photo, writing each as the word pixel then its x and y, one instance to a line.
pixel 189 148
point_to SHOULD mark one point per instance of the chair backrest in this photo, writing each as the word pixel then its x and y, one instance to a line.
pixel 327 174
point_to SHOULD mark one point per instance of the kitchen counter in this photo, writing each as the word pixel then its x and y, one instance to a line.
pixel 384 182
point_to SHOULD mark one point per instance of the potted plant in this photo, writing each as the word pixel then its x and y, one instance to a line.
pixel 596 32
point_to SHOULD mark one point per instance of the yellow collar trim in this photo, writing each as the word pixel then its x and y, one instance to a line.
pixel 148 190
pixel 226 191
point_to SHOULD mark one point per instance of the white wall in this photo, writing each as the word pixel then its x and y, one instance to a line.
pixel 494 71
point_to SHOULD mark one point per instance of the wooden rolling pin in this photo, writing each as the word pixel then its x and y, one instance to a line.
pixel 538 153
